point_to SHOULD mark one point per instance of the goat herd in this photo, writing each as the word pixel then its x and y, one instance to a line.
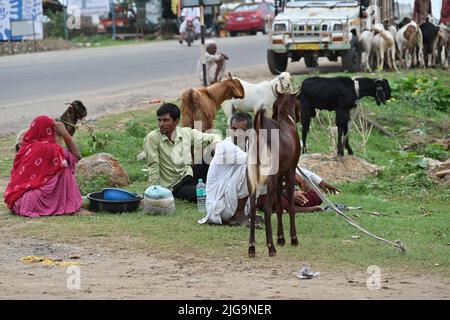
pixel 410 44
pixel 276 98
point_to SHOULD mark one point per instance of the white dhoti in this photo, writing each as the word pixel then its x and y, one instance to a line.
pixel 226 183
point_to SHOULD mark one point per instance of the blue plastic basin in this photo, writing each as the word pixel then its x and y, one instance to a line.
pixel 118 194
pixel 98 203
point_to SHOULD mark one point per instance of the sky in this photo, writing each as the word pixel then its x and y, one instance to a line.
pixel 435 6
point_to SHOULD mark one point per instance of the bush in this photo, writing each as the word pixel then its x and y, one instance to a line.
pixel 54 28
pixel 436 151
pixel 425 92
pixel 96 143
pixel 135 129
pixel 405 176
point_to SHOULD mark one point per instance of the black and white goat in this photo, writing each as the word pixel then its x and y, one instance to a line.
pixel 340 94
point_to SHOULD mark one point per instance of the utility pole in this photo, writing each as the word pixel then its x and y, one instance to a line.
pixel 66 32
pixel 201 4
pixel 203 52
pixel 113 19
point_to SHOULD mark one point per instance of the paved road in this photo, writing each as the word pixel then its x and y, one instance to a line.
pixel 42 82
pixel 36 76
pixel 108 78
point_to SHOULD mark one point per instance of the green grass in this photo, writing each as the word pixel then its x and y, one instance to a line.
pixel 402 193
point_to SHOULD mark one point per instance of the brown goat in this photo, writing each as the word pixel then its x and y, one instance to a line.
pixel 201 104
pixel 76 111
pixel 281 167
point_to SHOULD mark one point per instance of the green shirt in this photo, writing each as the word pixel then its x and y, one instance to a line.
pixel 168 162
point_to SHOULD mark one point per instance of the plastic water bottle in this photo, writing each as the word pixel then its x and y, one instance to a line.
pixel 201 196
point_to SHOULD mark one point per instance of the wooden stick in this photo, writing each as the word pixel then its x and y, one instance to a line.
pixel 375 125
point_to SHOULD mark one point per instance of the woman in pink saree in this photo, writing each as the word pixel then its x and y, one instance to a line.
pixel 42 179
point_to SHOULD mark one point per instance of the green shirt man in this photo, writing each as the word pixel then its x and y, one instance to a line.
pixel 168 151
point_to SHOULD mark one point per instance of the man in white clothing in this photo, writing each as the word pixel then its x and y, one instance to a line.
pixel 193 13
pixel 226 186
pixel 215 64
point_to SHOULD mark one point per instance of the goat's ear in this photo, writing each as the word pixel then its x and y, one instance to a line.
pixel 279 93
pixel 297 112
pixel 380 96
pixel 275 111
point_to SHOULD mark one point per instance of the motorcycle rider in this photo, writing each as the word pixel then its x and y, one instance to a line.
pixel 193 12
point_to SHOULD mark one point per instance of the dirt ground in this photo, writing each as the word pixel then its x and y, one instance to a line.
pixel 111 271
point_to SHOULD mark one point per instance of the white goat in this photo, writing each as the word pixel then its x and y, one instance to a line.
pixel 260 95
pixel 409 39
pixel 365 40
pixel 443 45
pixel 393 31
pixel 384 42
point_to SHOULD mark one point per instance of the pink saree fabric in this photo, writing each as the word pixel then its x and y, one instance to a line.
pixel 60 195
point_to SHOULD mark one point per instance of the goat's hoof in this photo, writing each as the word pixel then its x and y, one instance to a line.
pixel 281 241
pixel 251 251
pixel 294 242
pixel 272 251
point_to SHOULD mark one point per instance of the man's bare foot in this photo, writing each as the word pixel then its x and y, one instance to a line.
pixel 236 223
pixel 237 220
pixel 308 209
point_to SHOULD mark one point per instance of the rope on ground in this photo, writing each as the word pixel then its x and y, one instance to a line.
pixel 396 243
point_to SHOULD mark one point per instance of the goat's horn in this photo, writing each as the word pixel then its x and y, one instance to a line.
pixel 229 74
pixel 295 92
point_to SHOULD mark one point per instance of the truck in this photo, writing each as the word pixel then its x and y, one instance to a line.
pixel 310 29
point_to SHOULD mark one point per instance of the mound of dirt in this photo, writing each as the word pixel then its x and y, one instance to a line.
pixel 41 45
pixel 336 169
pixel 440 171
pixel 422 142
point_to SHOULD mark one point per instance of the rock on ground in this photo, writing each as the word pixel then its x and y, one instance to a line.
pixel 105 165
pixel 440 172
pixel 336 169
